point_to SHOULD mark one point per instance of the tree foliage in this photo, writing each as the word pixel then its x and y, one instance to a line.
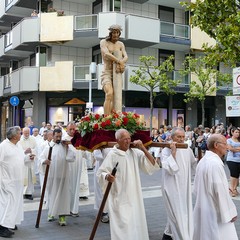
pixel 205 81
pixel 154 78
pixel 220 19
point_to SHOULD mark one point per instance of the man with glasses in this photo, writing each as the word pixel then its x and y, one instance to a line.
pixel 214 211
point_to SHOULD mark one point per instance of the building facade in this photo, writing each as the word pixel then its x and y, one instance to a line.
pixel 48 60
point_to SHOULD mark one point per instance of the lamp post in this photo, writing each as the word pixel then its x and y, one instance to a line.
pixel 92 70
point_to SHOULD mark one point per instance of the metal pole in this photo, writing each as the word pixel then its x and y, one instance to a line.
pixel 14 116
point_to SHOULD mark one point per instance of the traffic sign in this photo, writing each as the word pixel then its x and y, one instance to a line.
pixel 14 101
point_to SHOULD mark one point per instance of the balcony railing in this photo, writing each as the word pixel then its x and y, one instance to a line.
pixel 81 74
pixel 175 30
pixel 7 81
pixel 8 2
pixel 8 39
pixel 86 22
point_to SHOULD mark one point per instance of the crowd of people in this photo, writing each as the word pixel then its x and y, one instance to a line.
pixel 26 152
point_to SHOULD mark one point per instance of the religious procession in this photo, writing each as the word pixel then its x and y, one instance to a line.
pixel 111 175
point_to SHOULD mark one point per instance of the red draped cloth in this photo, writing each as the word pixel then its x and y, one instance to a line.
pixel 100 138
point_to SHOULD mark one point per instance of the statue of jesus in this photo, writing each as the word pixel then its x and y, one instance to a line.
pixel 114 58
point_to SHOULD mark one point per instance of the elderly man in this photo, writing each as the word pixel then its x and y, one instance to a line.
pixel 125 201
pixel 29 145
pixel 214 211
pixel 11 182
pixel 177 166
pixel 114 57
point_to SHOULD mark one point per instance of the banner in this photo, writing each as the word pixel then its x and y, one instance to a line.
pixel 236 81
pixel 232 106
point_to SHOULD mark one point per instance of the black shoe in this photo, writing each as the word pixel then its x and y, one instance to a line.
pixel 5 232
pixel 15 228
pixel 105 218
pixel 166 237
pixel 28 196
pixel 83 198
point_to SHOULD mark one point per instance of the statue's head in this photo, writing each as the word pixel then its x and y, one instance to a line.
pixel 113 28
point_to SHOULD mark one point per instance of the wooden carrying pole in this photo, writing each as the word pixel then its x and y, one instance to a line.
pixel 102 204
pixel 43 189
pixel 153 144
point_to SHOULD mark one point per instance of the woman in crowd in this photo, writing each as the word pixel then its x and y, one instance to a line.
pixel 233 160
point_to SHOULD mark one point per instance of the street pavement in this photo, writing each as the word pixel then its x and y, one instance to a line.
pixel 81 227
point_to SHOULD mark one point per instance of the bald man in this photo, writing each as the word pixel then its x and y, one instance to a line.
pixel 214 211
pixel 29 145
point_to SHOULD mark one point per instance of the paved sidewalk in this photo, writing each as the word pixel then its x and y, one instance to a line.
pixel 81 227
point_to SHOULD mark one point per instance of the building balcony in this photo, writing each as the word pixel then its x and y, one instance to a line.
pixel 21 41
pixel 88 29
pixel 184 81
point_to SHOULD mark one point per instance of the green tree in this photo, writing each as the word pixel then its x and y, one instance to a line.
pixel 153 78
pixel 220 19
pixel 205 80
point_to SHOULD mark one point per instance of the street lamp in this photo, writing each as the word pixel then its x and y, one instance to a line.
pixel 92 70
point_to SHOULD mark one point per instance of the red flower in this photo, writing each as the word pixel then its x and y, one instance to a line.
pixel 87 119
pixel 95 126
pixel 125 113
pixel 125 121
pixel 97 116
pixel 108 122
pixel 136 115
pixel 103 124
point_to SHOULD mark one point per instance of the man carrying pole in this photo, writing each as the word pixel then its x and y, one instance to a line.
pixel 125 201
pixel 58 178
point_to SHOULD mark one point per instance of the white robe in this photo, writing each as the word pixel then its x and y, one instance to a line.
pixel 99 156
pixel 84 183
pixel 125 201
pixel 177 193
pixel 58 179
pixel 214 207
pixel 29 174
pixel 11 184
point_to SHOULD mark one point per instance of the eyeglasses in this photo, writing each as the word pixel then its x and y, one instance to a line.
pixel 222 143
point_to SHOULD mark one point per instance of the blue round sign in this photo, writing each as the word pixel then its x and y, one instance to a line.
pixel 14 101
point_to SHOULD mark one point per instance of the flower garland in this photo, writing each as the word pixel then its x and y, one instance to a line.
pixel 114 121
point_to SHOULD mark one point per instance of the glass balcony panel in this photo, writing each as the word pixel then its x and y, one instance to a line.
pixel 86 22
pixel 80 73
pixel 8 39
pixel 181 31
pixel 7 81
pixel 167 28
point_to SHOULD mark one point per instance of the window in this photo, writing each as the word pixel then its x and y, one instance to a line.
pixel 115 5
pixel 166 14
pixel 164 55
pixel 96 54
pixel 97 7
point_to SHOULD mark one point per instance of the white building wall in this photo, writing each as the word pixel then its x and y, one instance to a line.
pixel 148 10
pixel 72 8
pixel 135 53
pixel 79 56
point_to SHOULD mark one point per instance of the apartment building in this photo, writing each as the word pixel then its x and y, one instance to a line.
pixel 52 62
